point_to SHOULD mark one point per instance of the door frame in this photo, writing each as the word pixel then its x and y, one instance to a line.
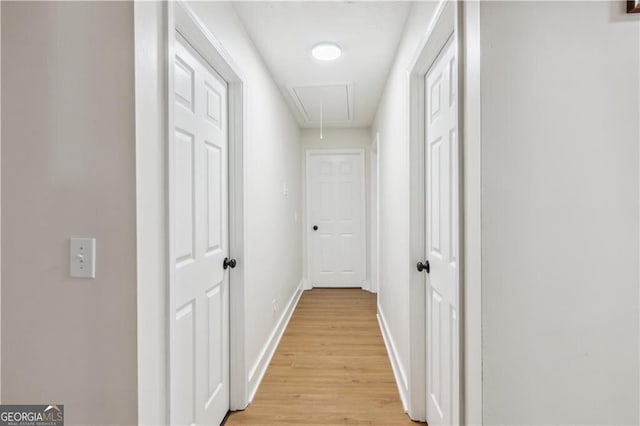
pixel 374 214
pixel 307 220
pixel 445 26
pixel 183 20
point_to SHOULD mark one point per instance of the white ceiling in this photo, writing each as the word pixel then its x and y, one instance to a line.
pixel 368 32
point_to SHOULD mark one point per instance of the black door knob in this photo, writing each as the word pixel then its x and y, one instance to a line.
pixel 423 266
pixel 315 227
pixel 228 263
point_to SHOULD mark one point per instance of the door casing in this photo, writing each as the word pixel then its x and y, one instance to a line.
pixel 182 20
pixel 374 215
pixel 443 27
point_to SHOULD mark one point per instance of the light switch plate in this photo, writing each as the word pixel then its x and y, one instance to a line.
pixel 82 257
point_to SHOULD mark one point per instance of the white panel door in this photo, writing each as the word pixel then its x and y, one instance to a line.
pixel 441 174
pixel 336 221
pixel 200 329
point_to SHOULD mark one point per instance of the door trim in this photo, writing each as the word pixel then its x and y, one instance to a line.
pixel 183 20
pixel 373 204
pixel 445 26
pixel 307 220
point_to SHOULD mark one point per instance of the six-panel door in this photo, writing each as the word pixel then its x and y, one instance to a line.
pixel 441 174
pixel 335 203
pixel 200 332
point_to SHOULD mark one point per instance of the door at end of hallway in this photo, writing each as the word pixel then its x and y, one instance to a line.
pixel 336 217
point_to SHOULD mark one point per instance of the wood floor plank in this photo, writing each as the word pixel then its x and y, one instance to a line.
pixel 331 368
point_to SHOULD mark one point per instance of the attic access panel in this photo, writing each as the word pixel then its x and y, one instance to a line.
pixel 333 101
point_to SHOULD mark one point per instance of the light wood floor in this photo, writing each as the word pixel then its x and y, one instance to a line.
pixel 331 367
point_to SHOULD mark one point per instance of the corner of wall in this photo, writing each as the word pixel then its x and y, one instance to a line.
pixel 150 28
pixel 472 199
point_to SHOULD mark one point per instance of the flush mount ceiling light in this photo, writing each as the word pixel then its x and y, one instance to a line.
pixel 326 51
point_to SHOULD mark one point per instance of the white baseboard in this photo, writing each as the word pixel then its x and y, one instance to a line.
pixel 359 284
pixel 260 367
pixel 396 365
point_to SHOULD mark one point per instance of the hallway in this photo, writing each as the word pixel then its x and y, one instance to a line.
pixel 320 212
pixel 331 367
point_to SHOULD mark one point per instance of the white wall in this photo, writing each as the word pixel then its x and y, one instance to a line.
pixel 68 168
pixel 560 139
pixel 336 138
pixel 274 241
pixel 151 152
pixel 392 121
